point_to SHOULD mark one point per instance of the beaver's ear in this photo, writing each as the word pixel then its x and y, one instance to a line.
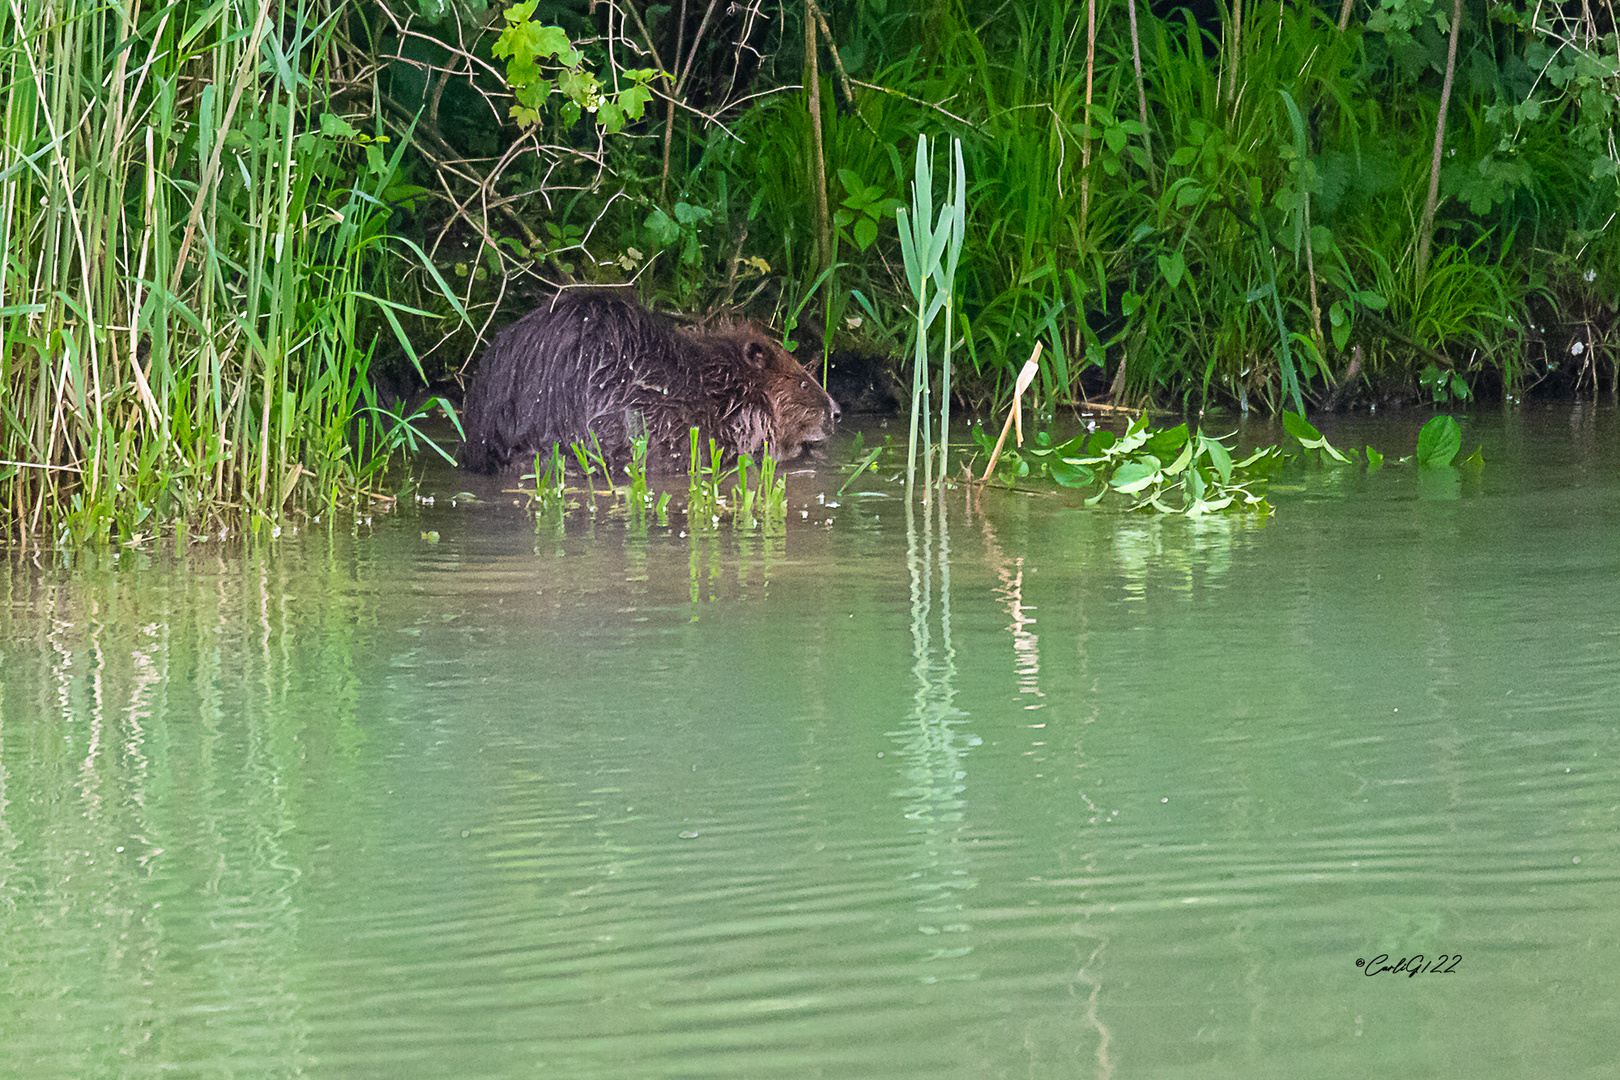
pixel 756 355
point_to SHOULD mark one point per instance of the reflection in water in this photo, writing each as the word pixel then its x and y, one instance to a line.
pixel 369 806
pixel 1187 550
pixel 1085 982
pixel 1026 643
pixel 934 746
pixel 159 814
pixel 753 555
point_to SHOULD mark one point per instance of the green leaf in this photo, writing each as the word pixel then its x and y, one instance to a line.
pixel 852 182
pixel 1341 330
pixel 1439 441
pixel 908 252
pixel 1218 456
pixel 937 242
pixel 866 231
pixel 1172 267
pixel 610 117
pixel 553 41
pixel 1311 439
pixel 922 198
pixel 1133 476
pixel 1375 460
pixel 1182 461
pixel 633 100
pixel 335 126
pixel 1300 428
pixel 1072 474
pixel 1101 442
pixel 1165 443
pixel 662 228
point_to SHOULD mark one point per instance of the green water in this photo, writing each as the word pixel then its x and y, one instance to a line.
pixel 1029 791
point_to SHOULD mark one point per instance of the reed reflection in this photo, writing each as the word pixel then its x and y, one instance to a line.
pixel 934 746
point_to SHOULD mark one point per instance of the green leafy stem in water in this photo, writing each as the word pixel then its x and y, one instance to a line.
pixel 1172 471
pixel 540 59
pixel 1178 471
pixel 550 498
pixel 762 503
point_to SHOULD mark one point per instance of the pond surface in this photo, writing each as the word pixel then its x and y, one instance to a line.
pixel 1020 789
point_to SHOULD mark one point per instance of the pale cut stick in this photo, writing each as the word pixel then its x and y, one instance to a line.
pixel 1025 377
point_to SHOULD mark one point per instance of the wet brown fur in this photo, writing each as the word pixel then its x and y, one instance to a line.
pixel 598 363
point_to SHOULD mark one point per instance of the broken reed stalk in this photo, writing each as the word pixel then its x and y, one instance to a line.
pixel 1025 377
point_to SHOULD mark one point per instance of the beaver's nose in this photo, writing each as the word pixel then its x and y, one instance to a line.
pixel 836 411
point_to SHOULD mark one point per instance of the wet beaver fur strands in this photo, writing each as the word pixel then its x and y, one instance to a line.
pixel 597 363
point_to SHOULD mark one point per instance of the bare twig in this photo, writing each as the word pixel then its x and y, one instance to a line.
pixel 838 65
pixel 1426 228
pixel 916 100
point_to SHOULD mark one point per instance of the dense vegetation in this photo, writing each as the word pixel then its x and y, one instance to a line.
pixel 225 223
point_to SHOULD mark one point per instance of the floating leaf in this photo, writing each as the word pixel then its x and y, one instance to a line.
pixel 1309 437
pixel 1072 474
pixel 1182 461
pixel 1196 486
pixel 1165 443
pixel 1133 476
pixel 1299 427
pixel 1218 456
pixel 1439 441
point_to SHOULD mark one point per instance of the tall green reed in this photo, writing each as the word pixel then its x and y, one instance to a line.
pixel 931 251
pixel 191 222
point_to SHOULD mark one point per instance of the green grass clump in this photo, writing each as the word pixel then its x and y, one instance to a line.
pixel 191 292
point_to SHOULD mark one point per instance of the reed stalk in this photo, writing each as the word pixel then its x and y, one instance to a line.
pixel 931 253
pixel 191 226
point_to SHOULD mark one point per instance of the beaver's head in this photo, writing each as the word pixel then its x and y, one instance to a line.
pixel 802 413
pixel 770 401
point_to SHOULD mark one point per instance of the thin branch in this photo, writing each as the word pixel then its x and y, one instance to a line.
pixel 908 97
pixel 838 65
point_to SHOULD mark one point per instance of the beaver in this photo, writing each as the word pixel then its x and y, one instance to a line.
pixel 599 363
